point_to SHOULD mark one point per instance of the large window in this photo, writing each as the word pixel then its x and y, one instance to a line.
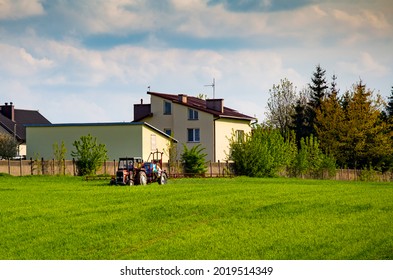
pixel 193 135
pixel 192 114
pixel 167 108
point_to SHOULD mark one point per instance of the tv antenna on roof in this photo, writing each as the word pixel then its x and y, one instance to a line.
pixel 213 85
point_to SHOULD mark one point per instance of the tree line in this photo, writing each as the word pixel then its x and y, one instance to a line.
pixel 318 128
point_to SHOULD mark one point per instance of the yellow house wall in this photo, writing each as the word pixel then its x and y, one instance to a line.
pixel 160 143
pixel 159 120
pixel 120 140
pixel 224 129
pixel 204 123
pixel 178 122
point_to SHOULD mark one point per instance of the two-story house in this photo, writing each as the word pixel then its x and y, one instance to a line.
pixel 193 121
pixel 13 121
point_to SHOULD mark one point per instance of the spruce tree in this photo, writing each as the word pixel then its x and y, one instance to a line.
pixel 318 91
pixel 389 106
pixel 299 119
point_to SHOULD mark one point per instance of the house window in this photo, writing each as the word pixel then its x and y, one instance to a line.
pixel 239 134
pixel 193 135
pixel 168 131
pixel 167 108
pixel 153 143
pixel 192 114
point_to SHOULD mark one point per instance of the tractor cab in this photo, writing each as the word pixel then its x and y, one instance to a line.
pixel 129 163
pixel 125 171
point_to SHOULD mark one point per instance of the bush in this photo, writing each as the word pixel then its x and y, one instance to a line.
pixel 8 146
pixel 89 154
pixel 262 153
pixel 310 160
pixel 194 160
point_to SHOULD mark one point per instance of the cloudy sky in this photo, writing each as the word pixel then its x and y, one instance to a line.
pixel 91 60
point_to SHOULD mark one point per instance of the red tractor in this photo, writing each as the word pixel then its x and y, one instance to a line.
pixel 133 171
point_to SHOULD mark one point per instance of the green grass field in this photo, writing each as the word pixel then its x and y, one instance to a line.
pixel 239 218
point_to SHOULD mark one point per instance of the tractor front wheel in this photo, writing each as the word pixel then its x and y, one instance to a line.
pixel 141 178
pixel 163 179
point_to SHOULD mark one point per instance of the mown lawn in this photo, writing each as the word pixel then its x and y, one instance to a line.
pixel 239 218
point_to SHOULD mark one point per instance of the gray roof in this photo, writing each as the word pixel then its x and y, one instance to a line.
pixel 21 118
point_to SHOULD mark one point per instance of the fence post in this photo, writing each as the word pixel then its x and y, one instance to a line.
pixel 42 166
pixel 211 169
pixel 73 166
pixel 219 168
pixel 31 166
pixel 20 167
pixel 114 167
pixel 64 166
pixel 9 167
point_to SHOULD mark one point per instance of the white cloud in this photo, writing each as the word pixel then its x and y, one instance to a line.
pixel 68 81
pixel 17 9
pixel 17 61
pixel 364 65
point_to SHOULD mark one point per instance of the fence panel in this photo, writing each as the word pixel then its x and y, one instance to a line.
pixel 214 169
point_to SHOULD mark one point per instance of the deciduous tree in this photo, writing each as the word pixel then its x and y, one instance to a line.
pixel 89 154
pixel 281 106
pixel 8 146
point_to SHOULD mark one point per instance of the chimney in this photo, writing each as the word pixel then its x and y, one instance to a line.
pixel 8 111
pixel 215 104
pixel 141 111
pixel 182 98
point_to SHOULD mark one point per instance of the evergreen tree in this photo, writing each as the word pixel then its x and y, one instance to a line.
pixel 328 125
pixel 389 106
pixel 300 123
pixel 333 86
pixel 193 160
pixel 318 91
pixel 364 138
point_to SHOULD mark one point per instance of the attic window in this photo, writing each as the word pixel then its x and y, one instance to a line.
pixel 192 114
pixel 167 108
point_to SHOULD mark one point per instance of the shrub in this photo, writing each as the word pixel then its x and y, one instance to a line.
pixel 262 153
pixel 8 146
pixel 310 160
pixel 194 160
pixel 89 155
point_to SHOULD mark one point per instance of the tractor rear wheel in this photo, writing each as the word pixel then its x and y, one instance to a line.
pixel 163 179
pixel 141 178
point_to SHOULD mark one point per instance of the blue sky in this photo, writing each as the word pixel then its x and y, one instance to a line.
pixel 90 61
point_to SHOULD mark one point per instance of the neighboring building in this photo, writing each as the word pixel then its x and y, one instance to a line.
pixel 195 121
pixel 121 139
pixel 13 121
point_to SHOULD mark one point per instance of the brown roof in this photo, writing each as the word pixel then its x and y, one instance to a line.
pixel 200 104
pixel 21 118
